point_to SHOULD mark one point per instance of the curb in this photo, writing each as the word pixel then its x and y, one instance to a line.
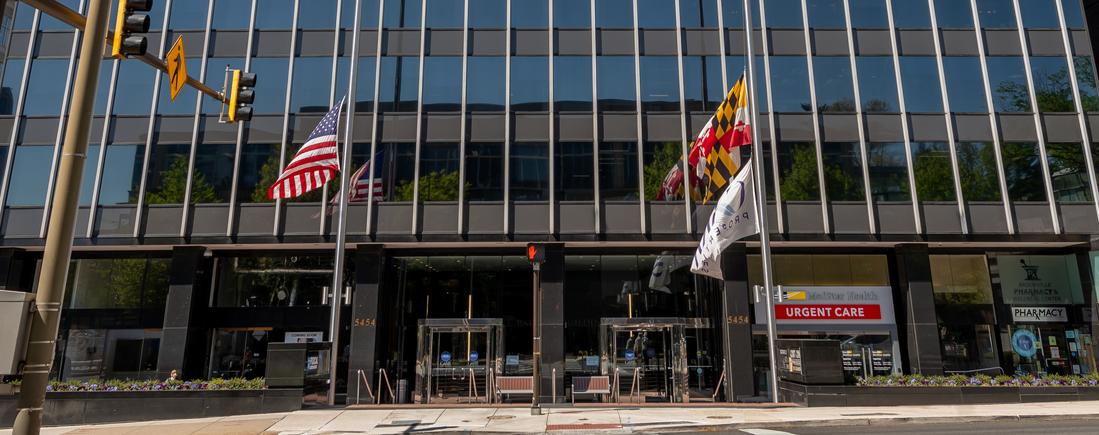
pixel 883 421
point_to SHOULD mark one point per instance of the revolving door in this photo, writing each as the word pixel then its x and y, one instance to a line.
pixel 648 357
pixel 456 358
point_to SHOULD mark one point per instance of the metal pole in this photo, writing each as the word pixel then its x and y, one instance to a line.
pixel 337 267
pixel 761 205
pixel 59 238
pixel 536 326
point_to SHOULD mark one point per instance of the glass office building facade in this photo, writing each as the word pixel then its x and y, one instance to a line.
pixel 918 151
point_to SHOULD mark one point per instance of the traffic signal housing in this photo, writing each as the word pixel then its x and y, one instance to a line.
pixel 130 23
pixel 536 253
pixel 241 95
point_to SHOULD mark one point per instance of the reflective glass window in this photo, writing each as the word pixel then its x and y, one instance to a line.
pixel 232 14
pixel 616 14
pixel 364 85
pixel 659 83
pixel 259 168
pixel 401 13
pixel 485 83
pixel 1052 86
pixel 184 103
pixel 977 165
pixel 10 87
pixel 442 83
pixel 1068 169
pixel 920 75
pixel 529 83
pixel 398 81
pixel 445 14
pixel 24 17
pixel 573 166
pixel 616 84
pixel 797 164
pixel 572 14
pixel 529 172
pixel 659 159
pixel 911 14
pixel 167 180
pixel 121 174
pixel 843 171
pixel 996 14
pixel 732 13
pixel 489 14
pixel 30 172
pixel 790 84
pixel 702 83
pixel 823 14
pixel 953 14
pixel 272 281
pixel 439 172
pixel 50 23
pixel 318 14
pixel 964 84
pixel 529 14
pixel 572 82
pixel 87 183
pixel 102 87
pixel 618 170
pixel 735 69
pixel 271 15
pixel 783 14
pixel 1007 79
pixel 46 87
pixel 484 172
pixel 868 14
pixel 398 170
pixel 312 84
pixel 189 15
pixel 933 171
pixel 654 14
pixel 1074 17
pixel 888 168
pixel 1023 171
pixel 1085 79
pixel 270 84
pixel 138 78
pixel 700 13
pixel 1041 14
pixel 215 67
pixel 117 283
pixel 835 92
pixel 878 84
pixel 213 177
pixel 961 279
pixel 343 79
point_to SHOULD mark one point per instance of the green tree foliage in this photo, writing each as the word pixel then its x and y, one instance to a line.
pixel 664 157
pixel 435 186
pixel 934 176
pixel 977 164
pixel 1053 90
pixel 118 283
pixel 800 182
pixel 172 186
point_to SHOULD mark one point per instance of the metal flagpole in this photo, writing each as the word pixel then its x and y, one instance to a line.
pixel 761 205
pixel 337 267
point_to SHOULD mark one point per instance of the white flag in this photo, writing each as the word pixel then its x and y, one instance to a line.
pixel 734 217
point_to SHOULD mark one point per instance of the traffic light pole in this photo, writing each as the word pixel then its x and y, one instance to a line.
pixel 536 328
pixel 59 239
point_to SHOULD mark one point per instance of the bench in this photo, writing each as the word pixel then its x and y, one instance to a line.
pixel 594 385
pixel 514 385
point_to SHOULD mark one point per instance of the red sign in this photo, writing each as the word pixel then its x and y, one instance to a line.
pixel 827 312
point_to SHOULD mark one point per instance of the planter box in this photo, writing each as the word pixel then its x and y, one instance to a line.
pixel 851 395
pixel 73 408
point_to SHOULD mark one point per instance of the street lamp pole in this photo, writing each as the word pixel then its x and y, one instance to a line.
pixel 59 239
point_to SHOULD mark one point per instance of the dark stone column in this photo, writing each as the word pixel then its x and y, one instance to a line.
pixel 181 343
pixel 735 324
pixel 14 273
pixel 553 323
pixel 365 342
pixel 914 304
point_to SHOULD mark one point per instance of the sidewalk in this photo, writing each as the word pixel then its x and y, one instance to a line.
pixel 623 419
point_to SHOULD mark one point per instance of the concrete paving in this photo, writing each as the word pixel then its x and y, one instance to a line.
pixel 624 419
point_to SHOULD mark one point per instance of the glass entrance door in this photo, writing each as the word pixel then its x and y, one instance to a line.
pixel 456 359
pixel 647 357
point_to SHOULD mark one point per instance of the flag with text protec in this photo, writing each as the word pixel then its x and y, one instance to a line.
pixel 315 163
pixel 734 217
pixel 727 129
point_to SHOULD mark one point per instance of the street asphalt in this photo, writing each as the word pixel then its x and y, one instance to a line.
pixel 1058 426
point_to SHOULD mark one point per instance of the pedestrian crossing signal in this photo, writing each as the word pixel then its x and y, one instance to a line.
pixel 536 253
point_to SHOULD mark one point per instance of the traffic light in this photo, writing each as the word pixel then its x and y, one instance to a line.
pixel 129 21
pixel 536 253
pixel 241 95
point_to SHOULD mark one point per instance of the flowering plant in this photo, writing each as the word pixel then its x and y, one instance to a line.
pixel 155 385
pixel 1090 380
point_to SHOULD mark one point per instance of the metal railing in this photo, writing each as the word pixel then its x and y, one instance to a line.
pixel 720 384
pixel 383 377
pixel 553 384
pixel 635 385
pixel 983 369
pixel 473 394
pixel 362 380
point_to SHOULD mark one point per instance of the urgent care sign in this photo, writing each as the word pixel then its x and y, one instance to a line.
pixel 822 305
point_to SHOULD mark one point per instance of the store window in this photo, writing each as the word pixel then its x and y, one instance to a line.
pixel 822 270
pixel 91 353
pixel 117 283
pixel 283 281
pixel 963 306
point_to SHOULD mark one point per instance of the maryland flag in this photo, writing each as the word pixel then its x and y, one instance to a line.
pixel 729 128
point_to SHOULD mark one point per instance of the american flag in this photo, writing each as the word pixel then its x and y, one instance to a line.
pixel 315 163
pixel 361 185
